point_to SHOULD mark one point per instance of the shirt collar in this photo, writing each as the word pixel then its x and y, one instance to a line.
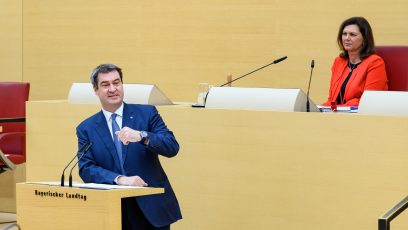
pixel 108 114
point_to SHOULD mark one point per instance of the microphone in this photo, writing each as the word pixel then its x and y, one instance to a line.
pixel 308 88
pixel 79 151
pixel 83 154
pixel 274 62
pixel 279 60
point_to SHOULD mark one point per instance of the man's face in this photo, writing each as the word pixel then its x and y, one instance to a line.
pixel 110 90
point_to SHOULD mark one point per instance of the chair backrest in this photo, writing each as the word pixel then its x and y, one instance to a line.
pixel 13 96
pixel 396 64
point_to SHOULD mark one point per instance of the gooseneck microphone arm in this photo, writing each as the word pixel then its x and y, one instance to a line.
pixel 83 153
pixel 79 151
pixel 308 88
pixel 274 62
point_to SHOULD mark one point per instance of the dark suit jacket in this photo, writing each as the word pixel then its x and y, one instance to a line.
pixel 101 163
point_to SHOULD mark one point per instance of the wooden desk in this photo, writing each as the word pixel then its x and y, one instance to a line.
pixel 256 169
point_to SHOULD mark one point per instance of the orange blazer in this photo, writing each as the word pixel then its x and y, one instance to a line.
pixel 369 75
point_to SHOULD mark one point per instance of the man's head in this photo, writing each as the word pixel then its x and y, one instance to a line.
pixel 107 83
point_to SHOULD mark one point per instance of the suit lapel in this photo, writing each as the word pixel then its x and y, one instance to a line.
pixel 104 133
pixel 342 73
pixel 128 120
pixel 354 74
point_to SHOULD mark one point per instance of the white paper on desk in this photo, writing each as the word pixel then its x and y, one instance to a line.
pixel 347 109
pixel 103 186
pixel 88 185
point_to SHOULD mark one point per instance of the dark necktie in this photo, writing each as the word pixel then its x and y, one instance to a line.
pixel 116 141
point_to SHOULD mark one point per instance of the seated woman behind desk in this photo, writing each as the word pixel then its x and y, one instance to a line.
pixel 357 68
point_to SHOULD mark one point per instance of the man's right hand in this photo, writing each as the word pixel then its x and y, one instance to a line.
pixel 131 181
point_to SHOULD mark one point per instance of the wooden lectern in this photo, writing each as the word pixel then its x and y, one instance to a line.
pixel 41 206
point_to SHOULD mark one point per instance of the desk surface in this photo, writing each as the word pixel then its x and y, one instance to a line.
pixel 267 170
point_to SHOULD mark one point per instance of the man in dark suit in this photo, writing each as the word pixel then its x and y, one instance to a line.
pixel 127 141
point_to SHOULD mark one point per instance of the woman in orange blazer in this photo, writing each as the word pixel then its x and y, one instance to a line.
pixel 357 68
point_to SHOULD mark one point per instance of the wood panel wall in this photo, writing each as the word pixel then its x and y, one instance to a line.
pixel 11 56
pixel 179 44
pixel 11 70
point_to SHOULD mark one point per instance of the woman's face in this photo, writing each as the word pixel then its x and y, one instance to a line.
pixel 352 38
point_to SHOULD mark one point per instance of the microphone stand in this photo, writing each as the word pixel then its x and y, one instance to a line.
pixel 308 88
pixel 85 146
pixel 83 154
pixel 274 62
pixel 229 82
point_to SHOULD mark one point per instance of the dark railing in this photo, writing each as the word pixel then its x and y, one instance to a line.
pixel 384 221
pixel 14 119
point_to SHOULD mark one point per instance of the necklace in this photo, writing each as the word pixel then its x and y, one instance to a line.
pixel 352 66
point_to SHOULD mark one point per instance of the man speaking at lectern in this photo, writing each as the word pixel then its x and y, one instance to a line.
pixel 127 141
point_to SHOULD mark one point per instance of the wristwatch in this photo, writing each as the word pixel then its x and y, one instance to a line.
pixel 145 136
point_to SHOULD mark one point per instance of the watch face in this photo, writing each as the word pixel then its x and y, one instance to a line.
pixel 143 134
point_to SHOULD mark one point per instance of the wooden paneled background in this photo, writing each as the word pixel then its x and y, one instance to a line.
pixel 178 44
pixel 11 56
